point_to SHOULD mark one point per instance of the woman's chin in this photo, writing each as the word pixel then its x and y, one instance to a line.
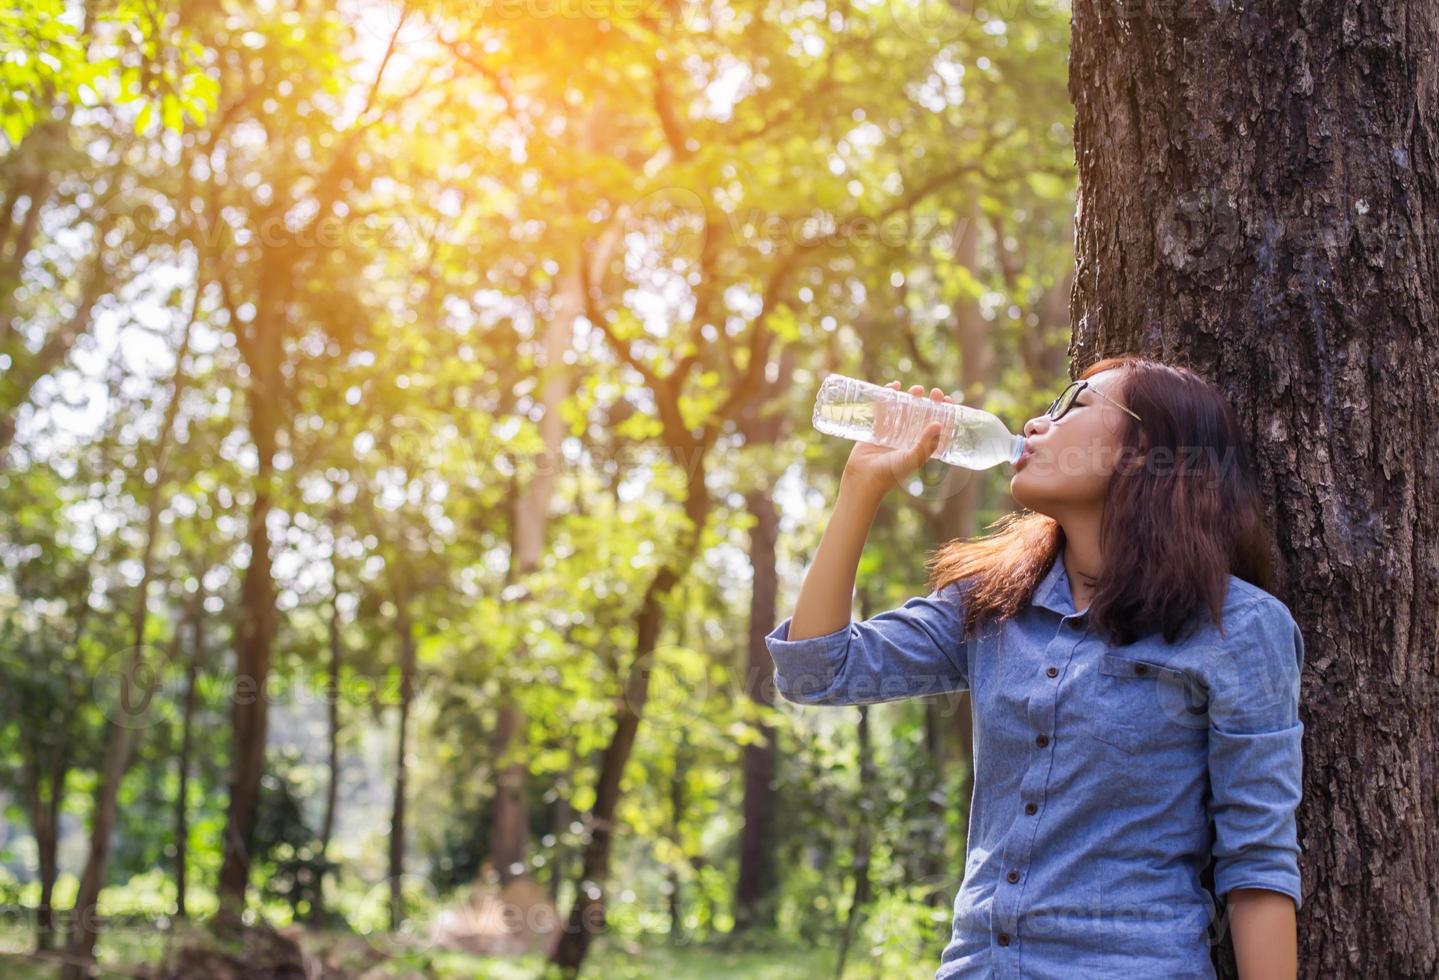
pixel 1028 492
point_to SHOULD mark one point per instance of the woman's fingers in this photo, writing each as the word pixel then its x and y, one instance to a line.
pixel 928 443
pixel 936 393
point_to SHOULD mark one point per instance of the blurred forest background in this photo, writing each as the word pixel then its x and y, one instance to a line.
pixel 405 446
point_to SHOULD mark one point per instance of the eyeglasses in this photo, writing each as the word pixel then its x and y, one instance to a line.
pixel 1067 397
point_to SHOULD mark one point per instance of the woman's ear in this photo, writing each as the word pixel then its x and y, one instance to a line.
pixel 1132 458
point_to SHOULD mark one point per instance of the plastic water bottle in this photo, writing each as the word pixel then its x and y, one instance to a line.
pixel 968 437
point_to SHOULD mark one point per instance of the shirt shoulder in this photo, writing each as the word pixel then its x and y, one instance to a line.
pixel 1244 600
pixel 1255 623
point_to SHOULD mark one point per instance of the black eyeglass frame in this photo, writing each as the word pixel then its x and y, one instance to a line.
pixel 1081 386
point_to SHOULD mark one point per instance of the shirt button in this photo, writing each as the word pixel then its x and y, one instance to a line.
pixel 1052 671
pixel 1042 741
pixel 1013 876
pixel 1141 669
pixel 1030 808
pixel 1004 939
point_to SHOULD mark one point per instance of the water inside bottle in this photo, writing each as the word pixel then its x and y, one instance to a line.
pixel 864 412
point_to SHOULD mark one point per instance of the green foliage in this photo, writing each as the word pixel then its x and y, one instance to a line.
pixel 287 851
pixel 130 52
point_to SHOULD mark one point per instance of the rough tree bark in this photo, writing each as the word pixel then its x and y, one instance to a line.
pixel 1259 188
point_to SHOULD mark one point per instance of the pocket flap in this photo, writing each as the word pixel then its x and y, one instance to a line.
pixel 1118 665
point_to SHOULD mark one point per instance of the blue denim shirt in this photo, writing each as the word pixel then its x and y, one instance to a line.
pixel 1105 777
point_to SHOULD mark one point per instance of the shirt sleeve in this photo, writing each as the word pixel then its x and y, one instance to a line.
pixel 914 650
pixel 1255 755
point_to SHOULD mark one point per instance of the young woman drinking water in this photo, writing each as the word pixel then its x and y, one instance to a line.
pixel 1135 686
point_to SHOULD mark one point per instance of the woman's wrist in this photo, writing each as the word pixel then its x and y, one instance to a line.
pixel 859 494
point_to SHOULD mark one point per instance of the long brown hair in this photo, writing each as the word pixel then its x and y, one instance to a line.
pixel 1182 512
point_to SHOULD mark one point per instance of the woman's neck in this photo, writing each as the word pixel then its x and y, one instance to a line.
pixel 1082 560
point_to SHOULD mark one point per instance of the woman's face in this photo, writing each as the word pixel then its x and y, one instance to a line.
pixel 1067 464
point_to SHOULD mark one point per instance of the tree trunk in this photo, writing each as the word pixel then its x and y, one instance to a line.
pixel 1258 200
pixel 53 755
pixel 47 793
pixel 562 814
pixel 280 270
pixel 587 913
pixel 863 838
pixel 678 803
pixel 397 813
pixel 255 631
pixel 756 883
pixel 187 726
pixel 754 888
pixel 332 785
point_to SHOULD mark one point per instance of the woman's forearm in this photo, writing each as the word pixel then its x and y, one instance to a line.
pixel 827 594
pixel 1265 934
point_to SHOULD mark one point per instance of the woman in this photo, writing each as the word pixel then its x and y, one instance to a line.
pixel 1135 686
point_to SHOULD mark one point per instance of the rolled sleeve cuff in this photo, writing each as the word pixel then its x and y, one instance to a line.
pixel 1245 877
pixel 805 670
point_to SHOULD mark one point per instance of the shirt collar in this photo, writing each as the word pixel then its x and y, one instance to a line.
pixel 1053 591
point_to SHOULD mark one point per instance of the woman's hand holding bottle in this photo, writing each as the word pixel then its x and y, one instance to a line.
pixel 874 470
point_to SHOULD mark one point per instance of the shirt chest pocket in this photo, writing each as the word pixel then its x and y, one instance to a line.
pixel 1141 705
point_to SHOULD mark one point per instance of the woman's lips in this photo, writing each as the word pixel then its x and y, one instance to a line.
pixel 1023 458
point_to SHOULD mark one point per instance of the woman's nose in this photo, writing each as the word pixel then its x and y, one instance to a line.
pixel 1036 425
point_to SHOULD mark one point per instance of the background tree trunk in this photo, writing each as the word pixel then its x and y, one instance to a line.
pixel 397 810
pixel 1258 199
pixel 510 819
pixel 756 882
pixel 187 740
pixel 47 793
pixel 754 886
pixel 255 630
pixel 587 914
pixel 332 728
pixel 869 792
